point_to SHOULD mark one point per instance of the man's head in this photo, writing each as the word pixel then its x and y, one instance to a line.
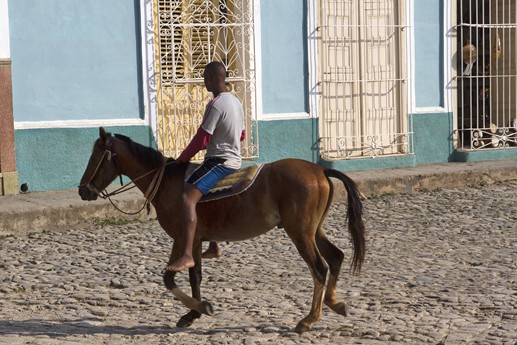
pixel 214 77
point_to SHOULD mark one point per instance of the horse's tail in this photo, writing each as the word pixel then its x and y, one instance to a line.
pixel 355 218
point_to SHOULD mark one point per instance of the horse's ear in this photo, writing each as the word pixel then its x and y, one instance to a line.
pixel 104 136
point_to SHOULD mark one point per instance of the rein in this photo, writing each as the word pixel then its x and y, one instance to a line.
pixel 149 194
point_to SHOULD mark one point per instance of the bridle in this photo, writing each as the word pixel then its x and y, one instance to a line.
pixel 149 194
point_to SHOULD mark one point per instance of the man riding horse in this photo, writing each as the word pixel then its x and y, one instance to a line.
pixel 290 194
pixel 221 131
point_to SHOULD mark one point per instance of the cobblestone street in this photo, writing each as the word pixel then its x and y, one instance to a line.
pixel 441 268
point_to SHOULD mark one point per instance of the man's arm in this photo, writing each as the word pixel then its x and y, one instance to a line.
pixel 198 143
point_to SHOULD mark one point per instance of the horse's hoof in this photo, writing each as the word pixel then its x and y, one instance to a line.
pixel 206 308
pixel 302 327
pixel 340 309
pixel 184 322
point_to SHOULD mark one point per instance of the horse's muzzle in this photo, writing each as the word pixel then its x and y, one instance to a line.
pixel 87 193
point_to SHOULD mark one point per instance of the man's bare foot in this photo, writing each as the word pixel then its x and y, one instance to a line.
pixel 212 251
pixel 180 264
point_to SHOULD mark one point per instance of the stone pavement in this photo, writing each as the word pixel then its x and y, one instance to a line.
pixel 441 269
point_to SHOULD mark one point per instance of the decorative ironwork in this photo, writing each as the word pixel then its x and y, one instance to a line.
pixel 190 34
pixel 373 145
pixel 149 71
pixel 493 138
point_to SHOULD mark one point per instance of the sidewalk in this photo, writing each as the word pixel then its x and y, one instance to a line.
pixel 43 211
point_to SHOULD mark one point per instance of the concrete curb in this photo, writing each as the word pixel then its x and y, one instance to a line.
pixel 35 212
pixel 429 177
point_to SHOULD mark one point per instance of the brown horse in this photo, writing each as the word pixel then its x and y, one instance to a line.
pixel 291 194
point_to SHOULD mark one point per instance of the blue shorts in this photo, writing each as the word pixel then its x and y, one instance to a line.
pixel 208 174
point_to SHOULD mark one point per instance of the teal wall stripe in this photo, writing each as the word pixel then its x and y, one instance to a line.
pixel 433 137
pixel 370 163
pixel 288 139
pixel 53 159
pixel 485 155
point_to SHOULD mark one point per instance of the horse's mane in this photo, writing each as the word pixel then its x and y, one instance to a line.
pixel 149 156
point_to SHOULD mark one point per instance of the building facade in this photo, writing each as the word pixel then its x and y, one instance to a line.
pixel 354 85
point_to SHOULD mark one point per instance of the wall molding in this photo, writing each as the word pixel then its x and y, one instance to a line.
pixel 285 116
pixel 431 110
pixel 21 125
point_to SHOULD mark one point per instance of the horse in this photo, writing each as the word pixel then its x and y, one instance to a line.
pixel 291 194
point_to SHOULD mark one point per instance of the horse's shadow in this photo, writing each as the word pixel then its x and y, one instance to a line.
pixel 84 326
pixel 90 326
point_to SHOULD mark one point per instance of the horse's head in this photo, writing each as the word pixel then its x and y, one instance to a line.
pixel 101 169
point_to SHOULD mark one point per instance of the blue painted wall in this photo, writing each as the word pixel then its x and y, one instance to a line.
pixel 429 52
pixel 79 59
pixel 75 59
pixel 284 56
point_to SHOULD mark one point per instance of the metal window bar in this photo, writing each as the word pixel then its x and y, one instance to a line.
pixel 487 74
pixel 364 79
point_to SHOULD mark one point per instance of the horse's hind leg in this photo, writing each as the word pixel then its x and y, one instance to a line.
pixel 334 258
pixel 307 249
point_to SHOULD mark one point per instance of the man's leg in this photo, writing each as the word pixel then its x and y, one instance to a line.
pixel 198 184
pixel 190 197
pixel 213 251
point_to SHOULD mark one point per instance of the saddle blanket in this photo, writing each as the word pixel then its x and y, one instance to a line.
pixel 231 185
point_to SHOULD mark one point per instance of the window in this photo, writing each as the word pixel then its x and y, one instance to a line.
pixel 487 76
pixel 364 79
pixel 190 34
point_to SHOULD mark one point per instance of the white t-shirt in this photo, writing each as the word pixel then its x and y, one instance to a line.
pixel 224 120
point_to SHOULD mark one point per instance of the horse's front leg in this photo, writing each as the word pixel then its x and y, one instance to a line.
pixel 197 306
